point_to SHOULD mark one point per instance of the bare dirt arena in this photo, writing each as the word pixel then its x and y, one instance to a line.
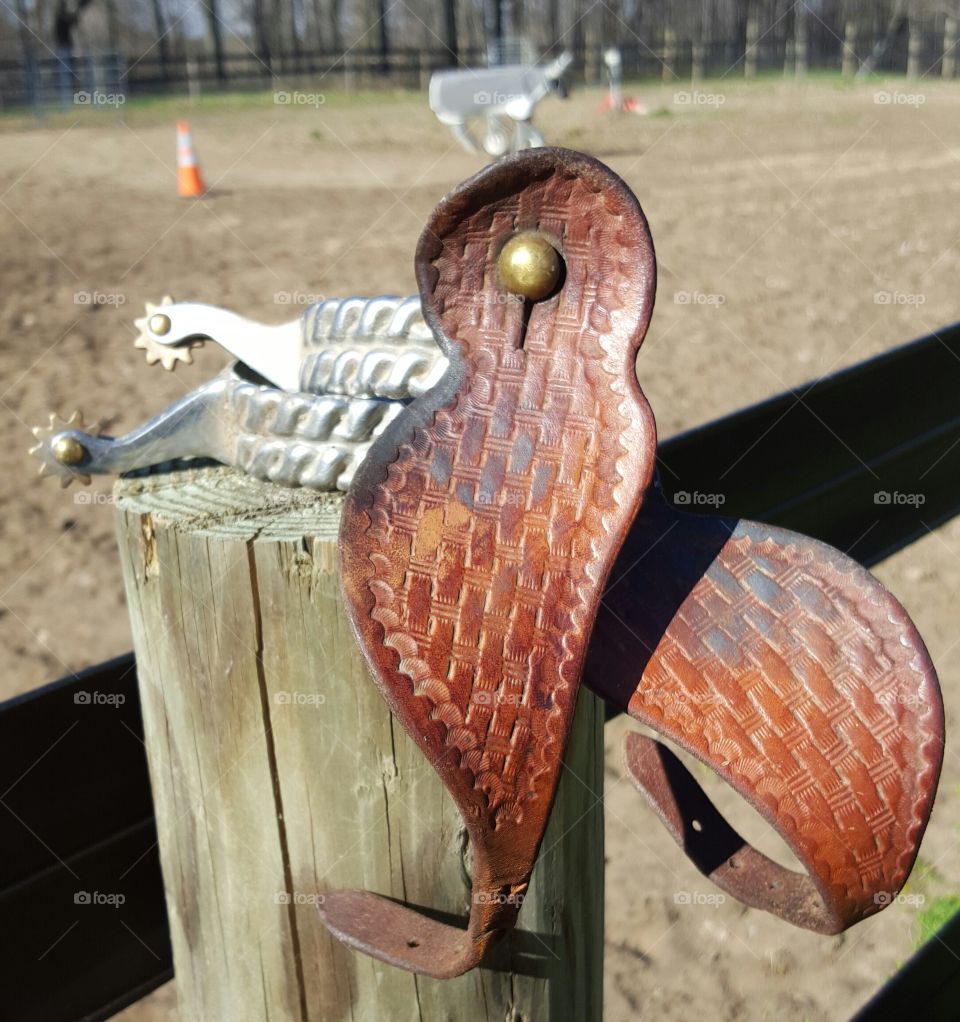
pixel 783 210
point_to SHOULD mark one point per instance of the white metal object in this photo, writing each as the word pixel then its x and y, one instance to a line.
pixel 299 407
pixel 614 63
pixel 275 352
pixel 500 95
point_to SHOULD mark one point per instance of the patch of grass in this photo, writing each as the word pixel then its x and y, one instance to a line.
pixel 924 872
pixel 733 77
pixel 935 916
pixel 152 109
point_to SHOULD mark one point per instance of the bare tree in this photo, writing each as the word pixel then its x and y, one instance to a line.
pixel 450 28
pixel 296 16
pixel 336 24
pixel 113 24
pixel 383 36
pixel 800 25
pixel 215 32
pixel 553 21
pixel 261 31
pixel 66 17
pixel 163 47
pixel 26 33
pixel 897 14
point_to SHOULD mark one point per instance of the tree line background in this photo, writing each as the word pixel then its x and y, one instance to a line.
pixel 165 45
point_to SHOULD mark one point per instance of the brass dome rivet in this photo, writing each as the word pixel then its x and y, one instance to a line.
pixel 69 451
pixel 159 324
pixel 529 266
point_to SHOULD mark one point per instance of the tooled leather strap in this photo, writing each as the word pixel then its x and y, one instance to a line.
pixel 479 531
pixel 801 681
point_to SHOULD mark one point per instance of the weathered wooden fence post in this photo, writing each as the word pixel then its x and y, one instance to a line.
pixel 698 62
pixel 848 62
pixel 914 46
pixel 752 42
pixel 948 65
pixel 669 62
pixel 277 772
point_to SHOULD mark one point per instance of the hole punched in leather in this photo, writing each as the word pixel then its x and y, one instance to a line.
pixel 714 847
pixel 479 531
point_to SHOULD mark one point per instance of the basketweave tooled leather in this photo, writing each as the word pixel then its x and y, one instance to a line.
pixel 773 658
pixel 479 531
pixel 800 680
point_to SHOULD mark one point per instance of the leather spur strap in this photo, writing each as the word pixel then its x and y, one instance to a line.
pixel 479 531
pixel 800 680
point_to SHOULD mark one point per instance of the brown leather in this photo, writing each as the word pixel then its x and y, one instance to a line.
pixel 800 680
pixel 480 530
pixel 476 542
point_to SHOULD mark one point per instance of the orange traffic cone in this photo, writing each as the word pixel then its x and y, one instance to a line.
pixel 189 183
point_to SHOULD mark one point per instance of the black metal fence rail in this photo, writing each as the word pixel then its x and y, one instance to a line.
pixel 83 928
pixel 927 987
pixel 867 459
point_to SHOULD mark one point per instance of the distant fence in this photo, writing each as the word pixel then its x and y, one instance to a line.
pixel 57 80
pixel 729 57
pixel 64 80
pixel 348 69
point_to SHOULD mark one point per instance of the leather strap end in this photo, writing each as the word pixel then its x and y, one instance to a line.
pixel 715 848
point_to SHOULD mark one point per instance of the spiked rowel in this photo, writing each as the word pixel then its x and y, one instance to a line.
pixel 152 327
pixel 61 448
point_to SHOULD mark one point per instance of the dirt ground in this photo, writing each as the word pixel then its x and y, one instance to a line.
pixel 779 213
